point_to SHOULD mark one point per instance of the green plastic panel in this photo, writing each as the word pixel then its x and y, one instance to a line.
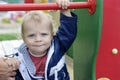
pixel 86 44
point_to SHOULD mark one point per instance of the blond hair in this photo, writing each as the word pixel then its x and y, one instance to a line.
pixel 37 17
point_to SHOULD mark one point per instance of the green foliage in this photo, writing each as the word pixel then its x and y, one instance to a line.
pixel 6 20
pixel 8 36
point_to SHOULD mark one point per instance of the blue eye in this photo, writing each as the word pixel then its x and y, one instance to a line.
pixel 31 35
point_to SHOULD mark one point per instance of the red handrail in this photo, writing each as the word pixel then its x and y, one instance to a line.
pixel 46 6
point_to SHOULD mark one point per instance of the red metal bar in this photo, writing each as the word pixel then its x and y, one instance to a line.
pixel 41 6
pixel 46 6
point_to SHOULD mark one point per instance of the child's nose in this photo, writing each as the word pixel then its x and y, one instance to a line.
pixel 38 38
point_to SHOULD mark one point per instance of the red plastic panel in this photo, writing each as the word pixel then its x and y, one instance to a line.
pixel 108 62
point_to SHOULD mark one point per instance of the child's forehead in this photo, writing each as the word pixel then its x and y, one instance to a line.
pixel 31 24
pixel 36 15
pixel 36 19
pixel 37 22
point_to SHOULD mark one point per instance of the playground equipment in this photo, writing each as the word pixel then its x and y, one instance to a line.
pixel 48 6
pixel 96 48
pixel 90 5
pixel 29 5
pixel 108 58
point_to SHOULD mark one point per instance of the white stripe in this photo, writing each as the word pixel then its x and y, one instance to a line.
pixel 50 52
pixel 56 75
pixel 58 67
pixel 22 67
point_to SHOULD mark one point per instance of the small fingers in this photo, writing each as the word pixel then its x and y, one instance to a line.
pixel 63 4
pixel 59 3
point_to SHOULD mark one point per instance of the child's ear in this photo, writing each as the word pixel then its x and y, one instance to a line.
pixel 53 33
pixel 22 36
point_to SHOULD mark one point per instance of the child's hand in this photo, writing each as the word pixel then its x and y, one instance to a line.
pixel 63 3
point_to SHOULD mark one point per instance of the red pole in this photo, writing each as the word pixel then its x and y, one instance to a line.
pixel 47 6
pixel 41 6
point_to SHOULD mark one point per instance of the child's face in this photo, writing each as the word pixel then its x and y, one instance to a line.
pixel 37 36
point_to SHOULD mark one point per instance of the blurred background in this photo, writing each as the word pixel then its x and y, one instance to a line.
pixel 10 21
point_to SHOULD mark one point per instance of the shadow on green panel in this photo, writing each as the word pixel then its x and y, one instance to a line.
pixel 85 47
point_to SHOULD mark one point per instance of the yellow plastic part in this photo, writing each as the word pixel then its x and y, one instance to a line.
pixel 103 78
